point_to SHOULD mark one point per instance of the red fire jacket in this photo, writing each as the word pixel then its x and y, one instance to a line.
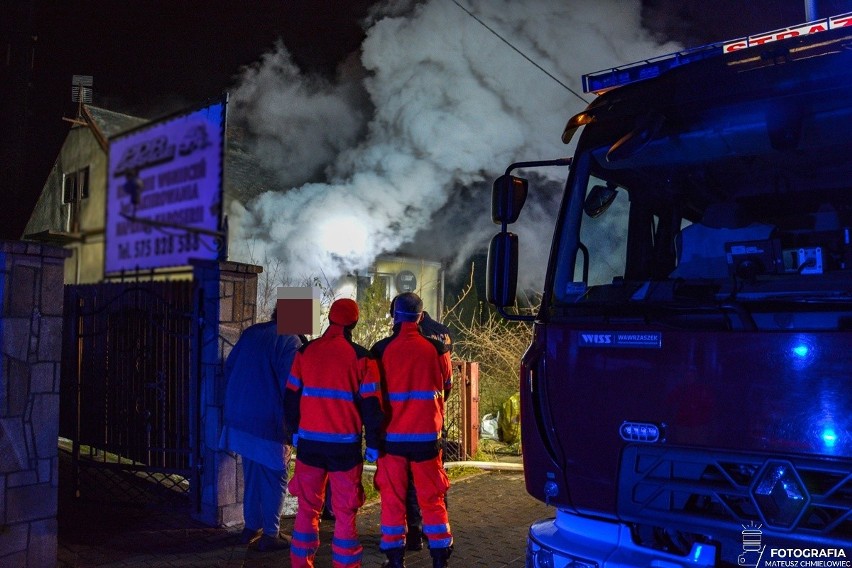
pixel 333 390
pixel 417 375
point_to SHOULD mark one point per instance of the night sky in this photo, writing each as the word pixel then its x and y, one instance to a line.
pixel 153 57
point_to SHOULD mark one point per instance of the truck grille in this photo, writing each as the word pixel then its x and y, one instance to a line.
pixel 700 489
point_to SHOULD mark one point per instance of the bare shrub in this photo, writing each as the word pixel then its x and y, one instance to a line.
pixel 273 277
pixel 483 335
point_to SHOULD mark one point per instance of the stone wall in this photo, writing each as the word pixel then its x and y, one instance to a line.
pixel 229 291
pixel 31 297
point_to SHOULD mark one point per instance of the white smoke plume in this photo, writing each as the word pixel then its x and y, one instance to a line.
pixel 403 146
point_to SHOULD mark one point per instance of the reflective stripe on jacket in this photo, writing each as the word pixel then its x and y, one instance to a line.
pixel 416 373
pixel 334 385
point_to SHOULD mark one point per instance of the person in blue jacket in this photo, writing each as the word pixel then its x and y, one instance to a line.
pixel 256 371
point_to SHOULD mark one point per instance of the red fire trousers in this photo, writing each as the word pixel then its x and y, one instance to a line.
pixel 347 496
pixel 432 484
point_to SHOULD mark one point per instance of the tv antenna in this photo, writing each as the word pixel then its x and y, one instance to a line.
pixel 81 89
pixel 81 93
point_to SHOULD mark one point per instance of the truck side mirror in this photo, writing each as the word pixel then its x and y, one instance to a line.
pixel 599 199
pixel 507 198
pixel 502 270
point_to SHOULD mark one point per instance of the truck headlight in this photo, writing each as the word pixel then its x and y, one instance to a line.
pixel 543 559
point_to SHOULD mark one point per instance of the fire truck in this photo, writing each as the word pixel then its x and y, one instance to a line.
pixel 687 392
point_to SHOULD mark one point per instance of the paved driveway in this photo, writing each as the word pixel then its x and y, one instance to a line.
pixel 489 513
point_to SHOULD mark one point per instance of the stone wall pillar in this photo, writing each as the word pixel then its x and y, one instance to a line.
pixel 31 298
pixel 228 297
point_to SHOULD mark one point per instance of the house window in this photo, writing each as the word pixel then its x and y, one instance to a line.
pixel 380 280
pixel 385 280
pixel 75 186
pixel 362 283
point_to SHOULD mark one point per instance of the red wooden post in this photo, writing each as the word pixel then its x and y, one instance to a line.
pixel 471 404
pixel 466 387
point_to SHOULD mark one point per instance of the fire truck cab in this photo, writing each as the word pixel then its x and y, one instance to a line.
pixel 686 396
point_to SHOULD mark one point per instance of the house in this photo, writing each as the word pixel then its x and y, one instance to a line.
pixel 72 210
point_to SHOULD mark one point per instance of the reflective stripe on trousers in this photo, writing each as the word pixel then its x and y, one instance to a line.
pixel 432 484
pixel 347 496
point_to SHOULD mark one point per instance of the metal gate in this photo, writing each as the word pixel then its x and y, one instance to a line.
pixel 125 408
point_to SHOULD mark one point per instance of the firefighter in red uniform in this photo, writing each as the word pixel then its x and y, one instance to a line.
pixel 333 391
pixel 417 377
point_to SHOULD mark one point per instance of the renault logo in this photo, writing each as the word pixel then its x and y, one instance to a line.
pixel 779 494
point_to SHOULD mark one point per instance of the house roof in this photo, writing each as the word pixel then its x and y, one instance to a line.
pixel 245 176
pixel 110 122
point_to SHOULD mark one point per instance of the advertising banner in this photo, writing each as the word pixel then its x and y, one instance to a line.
pixel 163 179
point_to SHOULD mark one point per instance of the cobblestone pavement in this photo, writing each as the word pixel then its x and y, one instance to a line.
pixel 490 513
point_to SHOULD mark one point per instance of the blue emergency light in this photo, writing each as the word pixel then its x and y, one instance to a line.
pixel 600 81
pixel 606 79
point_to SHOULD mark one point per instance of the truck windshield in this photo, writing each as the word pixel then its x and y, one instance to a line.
pixel 756 247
